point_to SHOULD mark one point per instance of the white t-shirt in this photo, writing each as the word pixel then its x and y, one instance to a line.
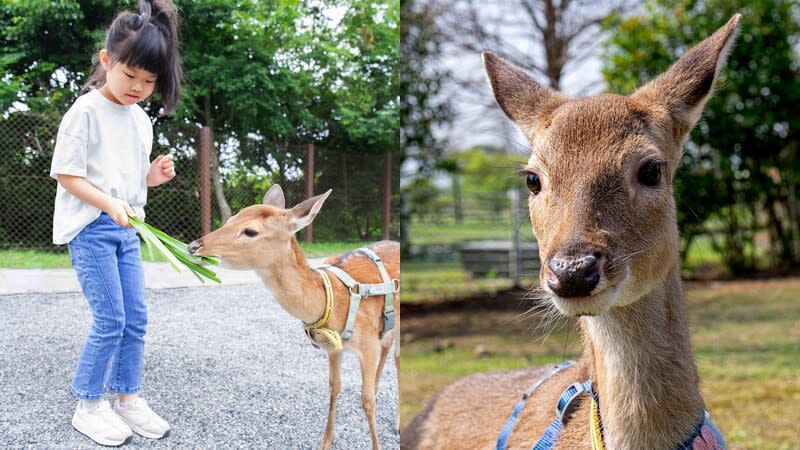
pixel 109 145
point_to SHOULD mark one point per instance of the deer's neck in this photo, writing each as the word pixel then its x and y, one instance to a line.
pixel 296 287
pixel 644 371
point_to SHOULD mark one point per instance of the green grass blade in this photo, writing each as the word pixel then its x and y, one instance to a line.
pixel 181 247
pixel 149 236
pixel 175 251
pixel 197 269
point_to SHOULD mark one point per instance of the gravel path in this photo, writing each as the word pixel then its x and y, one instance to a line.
pixel 226 366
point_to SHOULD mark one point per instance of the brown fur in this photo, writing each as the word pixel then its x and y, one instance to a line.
pixel 587 153
pixel 278 259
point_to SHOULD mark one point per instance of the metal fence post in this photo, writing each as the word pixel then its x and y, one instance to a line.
pixel 204 174
pixel 516 252
pixel 387 196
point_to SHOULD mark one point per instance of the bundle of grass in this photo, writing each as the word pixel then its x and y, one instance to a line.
pixel 174 251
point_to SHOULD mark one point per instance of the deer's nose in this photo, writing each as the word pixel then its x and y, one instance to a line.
pixel 194 246
pixel 573 276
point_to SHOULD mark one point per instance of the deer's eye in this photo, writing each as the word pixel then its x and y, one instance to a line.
pixel 249 232
pixel 533 182
pixel 650 173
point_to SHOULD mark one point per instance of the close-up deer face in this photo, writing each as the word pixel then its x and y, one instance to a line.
pixel 600 180
pixel 600 175
pixel 259 235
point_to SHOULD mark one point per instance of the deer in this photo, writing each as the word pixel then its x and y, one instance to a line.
pixel 603 212
pixel 262 238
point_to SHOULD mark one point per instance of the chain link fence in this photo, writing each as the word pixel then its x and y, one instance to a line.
pixel 442 226
pixel 353 212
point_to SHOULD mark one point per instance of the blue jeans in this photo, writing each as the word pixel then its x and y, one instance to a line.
pixel 109 267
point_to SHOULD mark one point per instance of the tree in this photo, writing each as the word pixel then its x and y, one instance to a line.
pixel 740 167
pixel 45 65
pixel 317 82
pixel 422 108
pixel 565 33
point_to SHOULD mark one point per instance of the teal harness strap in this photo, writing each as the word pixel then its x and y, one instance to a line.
pixel 355 299
pixel 359 291
pixel 388 288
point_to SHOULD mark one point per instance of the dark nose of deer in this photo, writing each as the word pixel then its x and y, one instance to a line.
pixel 573 276
pixel 194 246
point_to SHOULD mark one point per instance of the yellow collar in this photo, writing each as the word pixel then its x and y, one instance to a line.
pixel 318 327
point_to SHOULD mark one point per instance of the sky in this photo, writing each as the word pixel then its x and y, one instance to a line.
pixel 478 120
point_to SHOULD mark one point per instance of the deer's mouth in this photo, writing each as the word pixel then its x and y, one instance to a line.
pixel 591 305
pixel 196 248
pixel 603 297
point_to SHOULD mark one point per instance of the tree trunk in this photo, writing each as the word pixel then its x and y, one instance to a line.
pixel 783 238
pixel 216 177
pixel 554 46
pixel 794 215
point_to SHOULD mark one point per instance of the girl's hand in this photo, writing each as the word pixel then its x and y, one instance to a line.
pixel 119 210
pixel 162 169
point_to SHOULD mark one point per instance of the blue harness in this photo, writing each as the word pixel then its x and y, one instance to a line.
pixel 706 431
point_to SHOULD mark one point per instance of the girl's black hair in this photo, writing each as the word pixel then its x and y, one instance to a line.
pixel 148 40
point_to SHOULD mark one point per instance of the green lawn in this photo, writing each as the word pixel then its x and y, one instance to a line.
pixel 469 230
pixel 744 335
pixel 431 281
pixel 33 259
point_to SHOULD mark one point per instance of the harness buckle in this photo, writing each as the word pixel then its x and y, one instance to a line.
pixel 388 321
pixel 566 404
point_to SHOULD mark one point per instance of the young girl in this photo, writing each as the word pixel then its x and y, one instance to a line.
pixel 101 162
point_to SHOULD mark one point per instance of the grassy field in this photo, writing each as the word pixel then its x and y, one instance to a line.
pixel 468 230
pixel 433 281
pixel 32 259
pixel 745 338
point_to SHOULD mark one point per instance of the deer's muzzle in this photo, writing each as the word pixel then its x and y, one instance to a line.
pixel 573 276
pixel 195 246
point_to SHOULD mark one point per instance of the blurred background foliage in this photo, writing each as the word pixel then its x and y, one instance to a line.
pixel 268 78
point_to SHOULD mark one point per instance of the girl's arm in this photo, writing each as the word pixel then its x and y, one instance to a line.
pixel 119 210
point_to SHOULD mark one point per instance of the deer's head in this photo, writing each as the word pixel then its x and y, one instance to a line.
pixel 600 175
pixel 259 235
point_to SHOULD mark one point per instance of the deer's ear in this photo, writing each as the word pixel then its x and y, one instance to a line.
pixel 303 214
pixel 274 197
pixel 684 89
pixel 520 96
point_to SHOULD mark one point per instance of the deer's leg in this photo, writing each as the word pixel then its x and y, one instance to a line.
pixel 369 363
pixel 386 346
pixel 334 383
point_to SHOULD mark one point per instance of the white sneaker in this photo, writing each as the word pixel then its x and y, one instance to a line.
pixel 142 420
pixel 101 425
